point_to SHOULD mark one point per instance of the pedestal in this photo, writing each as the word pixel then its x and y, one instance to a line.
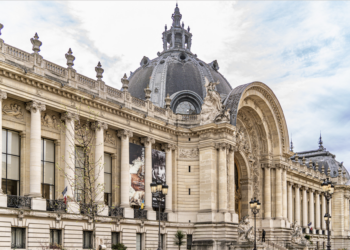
pixel 73 207
pixel 235 218
pixel 151 215
pixel 3 200
pixel 172 217
pixel 102 210
pixel 38 204
pixel 129 212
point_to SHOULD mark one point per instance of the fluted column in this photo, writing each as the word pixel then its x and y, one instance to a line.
pixel 324 211
pixel 278 191
pixel 125 180
pixel 346 212
pixel 311 208
pixel 69 151
pixel 169 177
pixel 35 108
pixel 318 215
pixel 305 221
pixel 297 204
pixel 3 95
pixel 267 191
pixel 99 128
pixel 290 202
pixel 231 180
pixel 284 193
pixel 148 141
pixel 222 193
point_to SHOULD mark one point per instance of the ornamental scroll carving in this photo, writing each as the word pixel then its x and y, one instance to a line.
pixel 188 153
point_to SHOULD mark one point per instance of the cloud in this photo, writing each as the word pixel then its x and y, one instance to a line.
pixel 301 50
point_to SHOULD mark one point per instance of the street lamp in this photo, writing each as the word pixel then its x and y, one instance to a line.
pixel 255 207
pixel 328 190
pixel 160 192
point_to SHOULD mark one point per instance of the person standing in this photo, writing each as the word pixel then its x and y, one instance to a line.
pixel 263 235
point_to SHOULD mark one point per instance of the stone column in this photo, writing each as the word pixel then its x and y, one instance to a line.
pixel 125 180
pixel 346 212
pixel 317 220
pixel 297 204
pixel 311 208
pixel 290 202
pixel 284 193
pixel 69 151
pixel 222 192
pixel 231 180
pixel 169 176
pixel 3 95
pixel 267 191
pixel 324 211
pixel 99 128
pixel 35 108
pixel 278 191
pixel 148 141
pixel 330 212
pixel 305 219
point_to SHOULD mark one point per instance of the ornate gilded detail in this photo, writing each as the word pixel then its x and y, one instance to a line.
pixel 188 153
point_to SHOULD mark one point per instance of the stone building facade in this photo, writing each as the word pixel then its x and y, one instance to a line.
pixel 223 146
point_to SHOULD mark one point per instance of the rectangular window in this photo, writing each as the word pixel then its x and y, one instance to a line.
pixel 10 162
pixel 162 241
pixel 48 169
pixel 18 237
pixel 189 168
pixel 80 173
pixel 87 239
pixel 138 241
pixel 55 238
pixel 115 238
pixel 108 179
pixel 189 241
pixel 189 191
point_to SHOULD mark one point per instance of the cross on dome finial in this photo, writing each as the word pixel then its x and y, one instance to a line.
pixel 320 142
pixel 176 17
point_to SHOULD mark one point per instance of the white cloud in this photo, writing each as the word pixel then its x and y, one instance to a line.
pixel 299 49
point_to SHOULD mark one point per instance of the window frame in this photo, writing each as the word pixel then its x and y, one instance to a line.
pixel 43 167
pixel 76 189
pixel 141 238
pixel 117 237
pixel 104 173
pixel 59 237
pixel 19 161
pixel 189 239
pixel 24 237
pixel 90 235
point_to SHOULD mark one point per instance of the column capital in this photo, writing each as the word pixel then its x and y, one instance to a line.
pixel 222 145
pixel 266 165
pixel 311 190
pixel 97 125
pixel 296 185
pixel 68 116
pixel 317 192
pixel 3 95
pixel 168 146
pixel 290 183
pixel 304 188
pixel 123 134
pixel 34 106
pixel 148 140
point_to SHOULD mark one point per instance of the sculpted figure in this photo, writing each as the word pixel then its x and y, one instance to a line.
pixel 13 110
pixel 245 231
pixel 212 108
pixel 297 234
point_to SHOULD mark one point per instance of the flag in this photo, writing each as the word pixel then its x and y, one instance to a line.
pixel 143 204
pixel 309 224
pixel 64 193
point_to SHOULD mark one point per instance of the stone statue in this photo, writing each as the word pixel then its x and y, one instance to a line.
pixel 245 231
pixel 297 235
pixel 212 109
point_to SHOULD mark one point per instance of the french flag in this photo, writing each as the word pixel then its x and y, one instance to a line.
pixel 64 193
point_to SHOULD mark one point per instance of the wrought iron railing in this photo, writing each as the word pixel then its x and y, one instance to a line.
pixel 163 216
pixel 115 211
pixel 88 209
pixel 19 201
pixel 140 214
pixel 56 205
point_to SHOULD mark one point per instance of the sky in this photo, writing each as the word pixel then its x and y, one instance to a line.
pixel 300 49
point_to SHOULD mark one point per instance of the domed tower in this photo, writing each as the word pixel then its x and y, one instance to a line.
pixel 177 72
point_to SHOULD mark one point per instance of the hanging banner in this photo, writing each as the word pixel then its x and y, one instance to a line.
pixel 137 174
pixel 158 173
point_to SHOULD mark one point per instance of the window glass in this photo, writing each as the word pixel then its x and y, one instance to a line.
pixel 108 163
pixel 108 179
pixel 87 239
pixel 12 143
pixel 138 242
pixel 185 108
pixel 108 183
pixel 48 169
pixel 115 238
pixel 12 167
pixel 189 241
pixel 49 147
pixel 3 166
pixel 12 187
pixel 55 237
pixel 49 173
pixel 4 141
pixel 18 237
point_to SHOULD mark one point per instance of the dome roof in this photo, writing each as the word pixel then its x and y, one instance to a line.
pixel 176 70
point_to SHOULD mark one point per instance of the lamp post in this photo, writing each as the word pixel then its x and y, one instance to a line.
pixel 255 207
pixel 160 192
pixel 328 190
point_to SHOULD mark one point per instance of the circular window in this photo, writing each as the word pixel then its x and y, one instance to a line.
pixel 185 108
pixel 183 56
pixel 162 61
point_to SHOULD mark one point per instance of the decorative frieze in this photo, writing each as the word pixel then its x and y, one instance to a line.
pixel 188 153
pixel 110 137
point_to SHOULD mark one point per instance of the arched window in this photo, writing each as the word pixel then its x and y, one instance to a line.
pixel 186 103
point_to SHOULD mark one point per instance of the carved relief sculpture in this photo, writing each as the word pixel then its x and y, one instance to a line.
pixel 49 121
pixel 245 231
pixel 297 234
pixel 188 153
pixel 109 138
pixel 13 110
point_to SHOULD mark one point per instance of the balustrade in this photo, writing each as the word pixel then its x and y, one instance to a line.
pixel 114 92
pixel 138 102
pixel 159 110
pixel 55 68
pixel 19 54
pixel 86 81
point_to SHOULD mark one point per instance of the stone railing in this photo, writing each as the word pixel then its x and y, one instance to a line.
pixel 19 201
pixel 96 88
pixel 55 68
pixel 17 53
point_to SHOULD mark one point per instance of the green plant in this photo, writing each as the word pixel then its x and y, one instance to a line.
pixel 179 238
pixel 307 237
pixel 119 246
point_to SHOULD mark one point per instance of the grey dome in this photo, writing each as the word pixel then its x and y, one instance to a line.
pixel 176 69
